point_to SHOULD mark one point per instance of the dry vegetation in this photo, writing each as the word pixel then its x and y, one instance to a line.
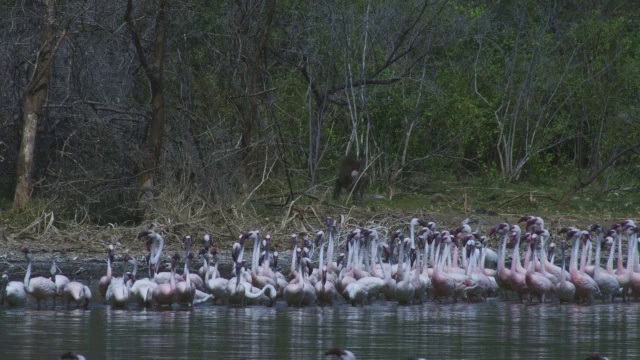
pixel 178 214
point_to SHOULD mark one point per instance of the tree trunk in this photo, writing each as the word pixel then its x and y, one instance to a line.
pixel 154 72
pixel 35 96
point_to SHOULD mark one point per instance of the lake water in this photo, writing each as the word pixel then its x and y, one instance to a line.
pixel 496 329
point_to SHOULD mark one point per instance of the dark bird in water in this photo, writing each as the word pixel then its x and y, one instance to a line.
pixel 71 356
pixel 596 356
pixel 341 353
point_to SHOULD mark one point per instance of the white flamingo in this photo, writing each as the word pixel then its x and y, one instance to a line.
pixel 12 293
pixel 40 288
pixel 78 293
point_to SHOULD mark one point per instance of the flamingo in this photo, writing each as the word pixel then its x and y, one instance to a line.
pixel 586 287
pixel 142 289
pixel 185 290
pixel 325 289
pixel 607 283
pixel 105 281
pixel 12 293
pixel 299 291
pixel 405 291
pixel 565 289
pixel 217 285
pixel 118 292
pixel 164 294
pixel 77 292
pixel 40 288
pixel 241 290
pixel 504 273
pixel 517 278
pixel 60 280
pixel 537 283
pixel 156 247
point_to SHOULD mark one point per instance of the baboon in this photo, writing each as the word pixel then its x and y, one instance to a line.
pixel 349 177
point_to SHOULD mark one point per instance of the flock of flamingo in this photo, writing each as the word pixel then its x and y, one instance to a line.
pixel 444 265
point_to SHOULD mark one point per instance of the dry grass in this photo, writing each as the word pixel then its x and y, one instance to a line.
pixel 179 213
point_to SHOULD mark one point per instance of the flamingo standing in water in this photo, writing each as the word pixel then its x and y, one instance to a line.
pixel 12 293
pixel 537 283
pixel 240 290
pixel 164 294
pixel 586 287
pixel 607 283
pixel 60 280
pixel 504 274
pixel 105 281
pixel 40 288
pixel 216 285
pixel 78 293
pixel 185 290
pixel 565 289
pixel 118 291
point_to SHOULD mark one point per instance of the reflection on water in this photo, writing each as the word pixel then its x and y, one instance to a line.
pixel 492 330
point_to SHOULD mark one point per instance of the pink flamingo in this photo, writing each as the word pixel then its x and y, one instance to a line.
pixel 565 289
pixel 40 288
pixel 586 287
pixel 77 292
pixel 164 294
pixel 537 283
pixel 105 281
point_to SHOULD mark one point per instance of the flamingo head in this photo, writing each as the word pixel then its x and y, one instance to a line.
pixel 148 244
pixel 25 250
pixel 586 237
pixel 206 241
pixel 597 228
pixel 174 261
pixel 293 240
pixel 145 233
pixel 319 237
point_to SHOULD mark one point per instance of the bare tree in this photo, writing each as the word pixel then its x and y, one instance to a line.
pixel 154 72
pixel 35 96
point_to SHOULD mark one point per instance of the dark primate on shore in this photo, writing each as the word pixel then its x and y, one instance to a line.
pixel 350 178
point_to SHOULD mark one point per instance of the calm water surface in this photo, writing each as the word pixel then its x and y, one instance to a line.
pixel 492 330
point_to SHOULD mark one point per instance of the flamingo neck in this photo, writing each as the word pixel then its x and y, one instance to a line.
pixel 207 274
pixel 160 241
pixel 256 253
pixel 172 281
pixel 598 244
pixel 562 274
pixel 321 256
pixel 27 276
pixel 515 258
pixel 187 276
pixel 583 257
pixel 503 252
pixel 612 254
pixel 109 271
pixel 330 248
pixel 456 255
pixel 527 258
pixel 631 242
pixel 620 252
